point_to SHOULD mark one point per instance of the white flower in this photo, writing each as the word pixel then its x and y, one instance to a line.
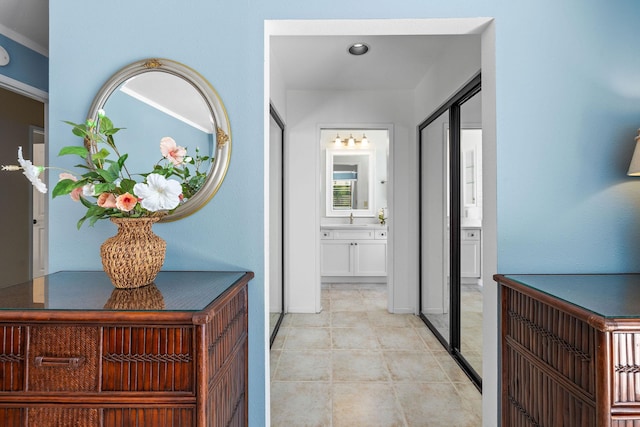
pixel 158 193
pixel 88 190
pixel 31 172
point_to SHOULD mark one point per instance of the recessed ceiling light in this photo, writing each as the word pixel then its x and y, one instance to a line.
pixel 358 49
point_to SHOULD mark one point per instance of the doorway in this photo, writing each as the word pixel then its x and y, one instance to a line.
pixel 404 245
pixel 22 120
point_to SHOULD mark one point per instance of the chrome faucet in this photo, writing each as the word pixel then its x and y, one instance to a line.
pixel 351 218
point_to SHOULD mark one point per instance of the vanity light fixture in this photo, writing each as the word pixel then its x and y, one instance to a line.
pixel 358 49
pixel 634 167
pixel 351 142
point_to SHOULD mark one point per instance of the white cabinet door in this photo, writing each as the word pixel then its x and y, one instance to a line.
pixel 336 258
pixel 370 258
pixel 470 253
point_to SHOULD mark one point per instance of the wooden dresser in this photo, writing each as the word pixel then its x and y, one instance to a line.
pixel 570 350
pixel 75 351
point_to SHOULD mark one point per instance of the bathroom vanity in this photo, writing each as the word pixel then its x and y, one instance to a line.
pixel 74 351
pixel 353 252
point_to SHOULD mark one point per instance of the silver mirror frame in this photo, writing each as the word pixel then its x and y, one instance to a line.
pixel 222 155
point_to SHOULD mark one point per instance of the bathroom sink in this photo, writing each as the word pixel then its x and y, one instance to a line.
pixel 353 227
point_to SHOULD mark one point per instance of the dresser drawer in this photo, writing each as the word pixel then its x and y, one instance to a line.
pixel 72 415
pixel 12 357
pixel 63 358
pixel 148 359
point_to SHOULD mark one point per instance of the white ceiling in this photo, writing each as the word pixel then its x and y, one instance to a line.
pixel 27 22
pixel 393 62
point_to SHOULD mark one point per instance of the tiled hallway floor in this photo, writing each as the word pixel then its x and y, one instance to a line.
pixel 354 364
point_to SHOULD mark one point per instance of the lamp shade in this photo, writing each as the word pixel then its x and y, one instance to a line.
pixel 634 167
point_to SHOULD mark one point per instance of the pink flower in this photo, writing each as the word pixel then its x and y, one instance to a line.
pixel 107 200
pixel 76 192
pixel 172 151
pixel 125 202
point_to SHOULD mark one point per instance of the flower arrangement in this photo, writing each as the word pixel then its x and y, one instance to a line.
pixel 107 189
pixel 381 218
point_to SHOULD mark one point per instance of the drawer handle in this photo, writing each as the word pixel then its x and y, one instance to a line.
pixel 59 362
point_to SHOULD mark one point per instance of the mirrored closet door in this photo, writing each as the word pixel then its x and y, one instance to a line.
pixel 276 223
pixel 450 156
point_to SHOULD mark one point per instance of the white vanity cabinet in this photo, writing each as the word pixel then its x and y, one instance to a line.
pixel 346 252
pixel 470 250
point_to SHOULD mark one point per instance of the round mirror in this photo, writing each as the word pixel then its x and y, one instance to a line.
pixel 156 98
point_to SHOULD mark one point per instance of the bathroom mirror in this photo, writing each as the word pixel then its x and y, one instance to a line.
pixel 155 98
pixel 350 183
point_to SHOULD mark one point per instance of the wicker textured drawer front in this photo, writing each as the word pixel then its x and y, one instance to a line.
pixel 63 358
pixel 148 359
pixel 626 367
pixel 566 344
pixel 12 350
pixel 57 417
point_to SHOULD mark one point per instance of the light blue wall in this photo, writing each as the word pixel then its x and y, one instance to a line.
pixel 25 65
pixel 568 105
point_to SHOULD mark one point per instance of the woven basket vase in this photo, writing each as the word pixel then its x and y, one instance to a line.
pixel 134 256
pixel 145 298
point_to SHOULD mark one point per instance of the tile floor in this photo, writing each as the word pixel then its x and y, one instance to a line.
pixel 355 364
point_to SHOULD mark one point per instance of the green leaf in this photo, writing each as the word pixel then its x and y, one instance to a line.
pixel 100 155
pixel 112 131
pixel 108 186
pixel 114 169
pixel 78 129
pixel 86 203
pixel 80 221
pixel 127 185
pixel 70 123
pixel 122 159
pixel 74 149
pixel 107 175
pixel 63 187
pixel 105 124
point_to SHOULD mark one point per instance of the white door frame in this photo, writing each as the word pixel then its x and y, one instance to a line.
pixel 28 91
pixel 484 27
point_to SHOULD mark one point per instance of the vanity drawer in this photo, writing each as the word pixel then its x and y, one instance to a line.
pixel 326 234
pixel 63 358
pixel 353 234
pixel 381 234
pixel 471 234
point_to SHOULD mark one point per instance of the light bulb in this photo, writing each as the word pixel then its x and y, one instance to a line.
pixel 352 142
pixel 338 141
pixel 365 141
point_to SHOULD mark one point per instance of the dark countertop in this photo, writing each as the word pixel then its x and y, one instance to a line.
pixel 92 290
pixel 607 295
